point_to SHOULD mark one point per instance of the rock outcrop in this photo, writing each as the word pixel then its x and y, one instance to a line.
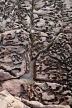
pixel 45 92
pixel 8 101
pixel 39 30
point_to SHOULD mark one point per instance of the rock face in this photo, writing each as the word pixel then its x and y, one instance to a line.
pixel 46 93
pixel 26 30
pixel 8 101
pixel 54 64
pixel 14 41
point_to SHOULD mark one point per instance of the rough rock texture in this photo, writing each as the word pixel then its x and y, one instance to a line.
pixel 45 92
pixel 27 29
pixel 8 101
pixel 14 40
pixel 54 64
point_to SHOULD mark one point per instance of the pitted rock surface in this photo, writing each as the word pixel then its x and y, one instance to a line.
pixel 14 41
pixel 50 19
pixel 46 93
pixel 53 20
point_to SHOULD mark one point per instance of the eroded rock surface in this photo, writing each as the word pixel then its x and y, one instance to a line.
pixel 45 92
pixel 47 20
pixel 8 101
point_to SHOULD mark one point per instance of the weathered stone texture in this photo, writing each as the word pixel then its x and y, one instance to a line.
pixel 50 19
